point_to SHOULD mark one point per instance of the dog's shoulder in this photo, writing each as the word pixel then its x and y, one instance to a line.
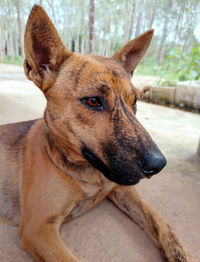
pixel 13 134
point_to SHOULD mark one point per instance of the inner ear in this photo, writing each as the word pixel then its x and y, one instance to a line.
pixel 43 45
pixel 42 53
pixel 133 56
pixel 132 53
pixel 44 49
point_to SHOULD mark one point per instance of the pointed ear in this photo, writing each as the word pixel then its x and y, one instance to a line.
pixel 44 49
pixel 131 53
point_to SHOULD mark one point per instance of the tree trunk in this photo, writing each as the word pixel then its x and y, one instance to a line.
pixel 1 46
pixel 16 44
pixel 165 32
pixel 153 14
pixel 21 37
pixel 10 35
pixel 91 28
pixel 104 45
pixel 82 26
pixel 131 26
pixel 125 26
pixel 11 46
pixel 140 17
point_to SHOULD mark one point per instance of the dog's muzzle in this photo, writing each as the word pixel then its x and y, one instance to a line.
pixel 127 174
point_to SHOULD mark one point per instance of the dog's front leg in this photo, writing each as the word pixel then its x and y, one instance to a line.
pixel 130 202
pixel 45 244
pixel 46 201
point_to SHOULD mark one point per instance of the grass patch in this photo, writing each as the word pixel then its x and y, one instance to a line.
pixel 17 60
pixel 145 70
pixel 164 77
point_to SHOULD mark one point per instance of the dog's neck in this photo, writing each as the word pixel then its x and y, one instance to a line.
pixel 56 154
pixel 81 171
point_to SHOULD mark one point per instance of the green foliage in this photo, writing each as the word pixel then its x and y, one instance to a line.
pixel 17 60
pixel 185 65
pixel 148 66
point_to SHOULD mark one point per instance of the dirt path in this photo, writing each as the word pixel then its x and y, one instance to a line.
pixel 104 233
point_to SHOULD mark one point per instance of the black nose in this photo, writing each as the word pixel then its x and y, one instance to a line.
pixel 151 164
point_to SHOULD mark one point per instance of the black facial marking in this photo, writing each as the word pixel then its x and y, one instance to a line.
pixel 140 141
pixel 119 176
pixel 122 162
pixel 78 73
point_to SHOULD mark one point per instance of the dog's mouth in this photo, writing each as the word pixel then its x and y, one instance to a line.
pixel 120 177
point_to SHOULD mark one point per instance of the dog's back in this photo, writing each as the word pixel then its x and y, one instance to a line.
pixel 12 143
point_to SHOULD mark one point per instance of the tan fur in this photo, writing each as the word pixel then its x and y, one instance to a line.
pixel 45 177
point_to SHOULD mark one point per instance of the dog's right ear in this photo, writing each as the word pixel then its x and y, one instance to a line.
pixel 44 50
pixel 131 53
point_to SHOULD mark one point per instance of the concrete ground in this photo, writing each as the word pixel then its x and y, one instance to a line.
pixel 105 233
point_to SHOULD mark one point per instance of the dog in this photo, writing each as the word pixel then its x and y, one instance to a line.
pixel 88 146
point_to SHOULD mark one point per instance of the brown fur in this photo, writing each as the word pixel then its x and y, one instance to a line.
pixel 46 176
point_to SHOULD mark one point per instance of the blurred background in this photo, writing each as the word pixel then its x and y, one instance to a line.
pixel 103 27
pixel 169 80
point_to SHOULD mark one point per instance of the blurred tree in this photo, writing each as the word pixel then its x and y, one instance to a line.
pixel 131 26
pixel 10 44
pixel 1 45
pixel 21 35
pixel 125 21
pixel 82 26
pixel 91 27
pixel 140 17
pixel 116 22
pixel 165 31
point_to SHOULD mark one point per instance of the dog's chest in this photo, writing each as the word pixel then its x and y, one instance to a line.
pixel 92 194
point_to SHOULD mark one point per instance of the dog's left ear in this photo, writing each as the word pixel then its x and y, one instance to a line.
pixel 44 50
pixel 131 53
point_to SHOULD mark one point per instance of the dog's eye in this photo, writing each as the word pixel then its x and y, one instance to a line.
pixel 93 102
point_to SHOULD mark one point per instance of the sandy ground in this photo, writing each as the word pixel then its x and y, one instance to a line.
pixel 105 233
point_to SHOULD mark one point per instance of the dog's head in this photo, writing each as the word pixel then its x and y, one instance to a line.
pixel 91 102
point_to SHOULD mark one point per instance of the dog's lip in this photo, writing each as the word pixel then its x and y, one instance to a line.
pixel 124 182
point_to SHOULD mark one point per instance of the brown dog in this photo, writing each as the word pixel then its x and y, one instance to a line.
pixel 89 145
